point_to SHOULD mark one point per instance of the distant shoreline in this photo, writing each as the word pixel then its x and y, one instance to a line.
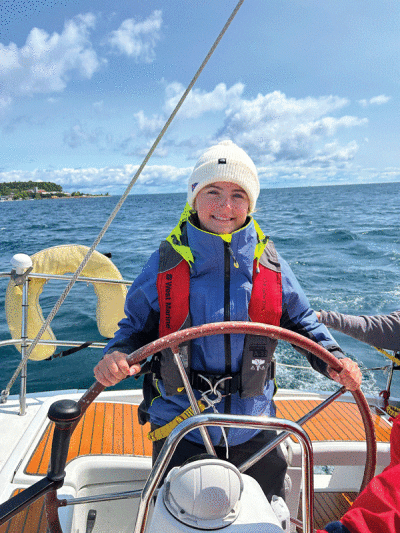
pixel 11 191
pixel 55 198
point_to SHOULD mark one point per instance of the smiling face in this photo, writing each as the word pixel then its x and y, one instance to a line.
pixel 222 207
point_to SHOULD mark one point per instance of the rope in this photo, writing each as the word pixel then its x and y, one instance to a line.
pixel 296 366
pixel 119 204
pixel 394 359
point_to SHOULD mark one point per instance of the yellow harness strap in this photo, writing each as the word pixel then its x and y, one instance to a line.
pixel 392 410
pixel 164 431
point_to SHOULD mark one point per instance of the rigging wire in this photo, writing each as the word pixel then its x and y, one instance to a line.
pixel 58 304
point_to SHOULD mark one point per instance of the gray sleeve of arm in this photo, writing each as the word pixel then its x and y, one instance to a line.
pixel 382 331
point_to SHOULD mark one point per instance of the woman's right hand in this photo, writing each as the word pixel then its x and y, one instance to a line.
pixel 113 368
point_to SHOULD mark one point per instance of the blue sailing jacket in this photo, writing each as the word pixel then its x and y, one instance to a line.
pixel 208 286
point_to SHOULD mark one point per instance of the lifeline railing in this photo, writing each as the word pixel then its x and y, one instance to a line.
pixel 24 341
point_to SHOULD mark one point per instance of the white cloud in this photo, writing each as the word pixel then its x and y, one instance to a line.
pixel 379 100
pixel 287 175
pixel 137 39
pixel 199 102
pixel 45 63
pixel 376 100
pixel 333 153
pixel 149 125
pixel 169 178
pixel 271 127
pixel 109 179
pixel 274 127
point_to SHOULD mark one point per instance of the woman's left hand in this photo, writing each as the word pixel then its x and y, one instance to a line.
pixel 350 376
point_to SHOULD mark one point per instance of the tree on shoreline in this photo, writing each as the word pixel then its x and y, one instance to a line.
pixel 15 187
pixel 38 190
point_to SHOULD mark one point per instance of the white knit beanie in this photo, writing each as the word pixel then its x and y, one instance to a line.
pixel 225 162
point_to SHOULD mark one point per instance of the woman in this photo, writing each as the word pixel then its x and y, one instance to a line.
pixel 217 265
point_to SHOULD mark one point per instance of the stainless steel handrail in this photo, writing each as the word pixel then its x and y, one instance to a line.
pixel 113 496
pixel 250 422
pixel 65 277
pixel 12 342
pixel 83 278
pixel 24 346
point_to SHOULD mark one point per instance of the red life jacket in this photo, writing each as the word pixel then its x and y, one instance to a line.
pixel 173 284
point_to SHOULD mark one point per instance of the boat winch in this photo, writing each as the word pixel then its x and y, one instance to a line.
pixel 211 494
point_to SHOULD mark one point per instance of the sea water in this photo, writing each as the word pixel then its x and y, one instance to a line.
pixel 342 242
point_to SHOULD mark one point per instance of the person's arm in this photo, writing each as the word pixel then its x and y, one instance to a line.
pixel 298 316
pixel 382 331
pixel 139 327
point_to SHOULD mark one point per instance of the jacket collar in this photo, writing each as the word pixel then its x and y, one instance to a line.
pixel 239 240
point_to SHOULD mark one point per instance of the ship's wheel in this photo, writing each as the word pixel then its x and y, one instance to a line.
pixel 173 341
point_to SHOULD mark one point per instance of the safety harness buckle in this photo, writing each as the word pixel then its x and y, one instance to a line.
pixel 224 384
pixel 213 390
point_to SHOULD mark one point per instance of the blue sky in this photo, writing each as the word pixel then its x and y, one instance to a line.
pixel 309 89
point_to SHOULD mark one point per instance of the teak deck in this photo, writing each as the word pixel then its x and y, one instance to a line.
pixel 329 506
pixel 340 421
pixel 113 429
pixel 105 429
pixel 31 520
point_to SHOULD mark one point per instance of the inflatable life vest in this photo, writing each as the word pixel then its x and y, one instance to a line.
pixel 173 283
pixel 61 260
